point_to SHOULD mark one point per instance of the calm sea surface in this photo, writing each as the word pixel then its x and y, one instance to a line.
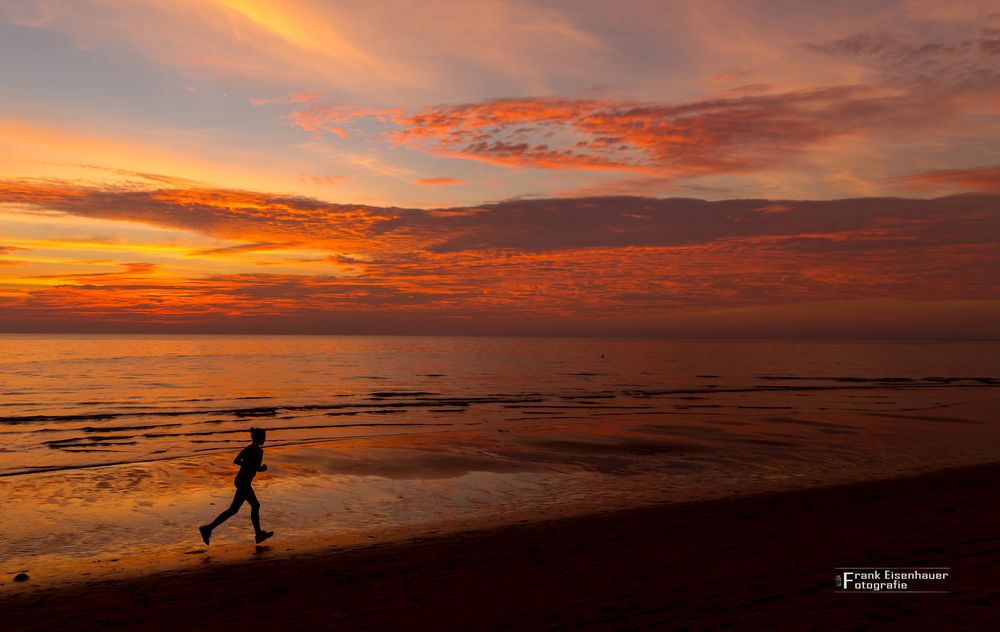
pixel 111 441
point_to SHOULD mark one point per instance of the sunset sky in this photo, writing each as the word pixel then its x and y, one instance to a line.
pixel 641 167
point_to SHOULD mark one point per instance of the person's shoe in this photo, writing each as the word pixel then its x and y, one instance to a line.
pixel 263 535
pixel 206 533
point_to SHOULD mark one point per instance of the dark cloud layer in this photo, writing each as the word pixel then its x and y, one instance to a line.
pixel 627 221
pixel 516 265
pixel 527 225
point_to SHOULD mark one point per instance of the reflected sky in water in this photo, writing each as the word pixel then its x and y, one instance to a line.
pixel 116 447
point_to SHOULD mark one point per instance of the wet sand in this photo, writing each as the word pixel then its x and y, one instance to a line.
pixel 744 562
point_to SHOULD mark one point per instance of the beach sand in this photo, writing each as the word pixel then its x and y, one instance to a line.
pixel 748 562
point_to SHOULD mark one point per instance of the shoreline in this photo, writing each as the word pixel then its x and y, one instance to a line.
pixel 753 559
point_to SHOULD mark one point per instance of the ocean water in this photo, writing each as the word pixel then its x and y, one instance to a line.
pixel 118 446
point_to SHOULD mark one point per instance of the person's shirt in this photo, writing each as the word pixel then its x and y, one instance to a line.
pixel 249 460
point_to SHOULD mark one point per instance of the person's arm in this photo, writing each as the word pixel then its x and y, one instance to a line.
pixel 260 464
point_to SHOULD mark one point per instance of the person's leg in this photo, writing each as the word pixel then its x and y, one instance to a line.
pixel 254 509
pixel 259 534
pixel 238 498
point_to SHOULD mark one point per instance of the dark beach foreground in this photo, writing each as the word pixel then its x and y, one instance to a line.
pixel 751 562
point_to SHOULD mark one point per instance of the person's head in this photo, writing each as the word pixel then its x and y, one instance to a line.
pixel 258 435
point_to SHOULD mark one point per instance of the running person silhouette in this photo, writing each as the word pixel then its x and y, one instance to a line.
pixel 250 462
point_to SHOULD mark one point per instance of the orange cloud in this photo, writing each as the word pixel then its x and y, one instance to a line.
pixel 242 248
pixel 971 179
pixel 6 250
pixel 224 213
pixel 516 261
pixel 438 181
pixel 731 134
pixel 329 118
pixel 294 97
pixel 129 271
pixel 724 135
pixel 32 150
pixel 324 180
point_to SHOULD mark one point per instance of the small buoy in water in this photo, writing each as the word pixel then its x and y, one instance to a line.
pixel 21 577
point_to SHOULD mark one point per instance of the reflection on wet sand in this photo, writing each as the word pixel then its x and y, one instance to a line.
pixel 100 484
pixel 353 489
